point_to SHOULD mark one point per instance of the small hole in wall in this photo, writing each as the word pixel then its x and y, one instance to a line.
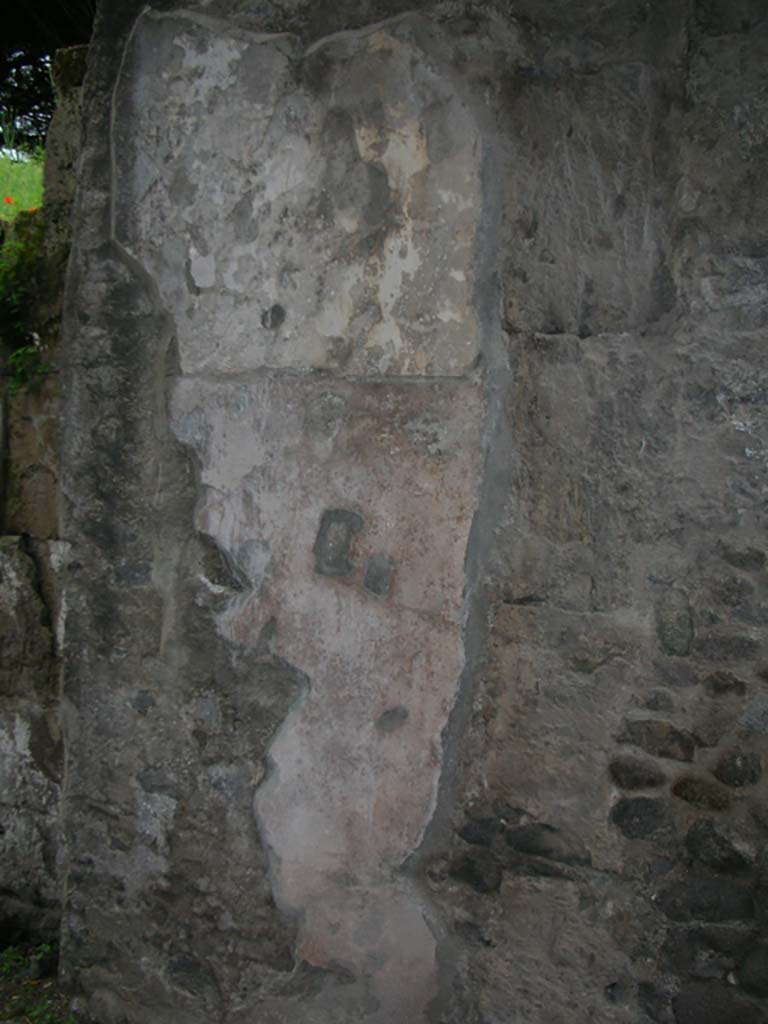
pixel 392 719
pixel 273 318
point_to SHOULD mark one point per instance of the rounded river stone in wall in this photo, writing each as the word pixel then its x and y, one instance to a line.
pixel 714 900
pixel 662 739
pixel 660 700
pixel 749 559
pixel 641 817
pixel 708 845
pixel 721 684
pixel 701 793
pixel 739 769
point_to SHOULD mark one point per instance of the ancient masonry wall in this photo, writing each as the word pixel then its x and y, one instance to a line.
pixel 414 474
pixel 33 557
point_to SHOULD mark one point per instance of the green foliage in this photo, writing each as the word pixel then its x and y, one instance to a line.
pixel 20 267
pixel 26 98
pixel 21 182
pixel 25 999
pixel 32 1005
pixel 8 130
pixel 12 960
pixel 14 292
pixel 26 367
pixel 21 272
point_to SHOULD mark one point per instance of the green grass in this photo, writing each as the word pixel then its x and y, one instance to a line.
pixel 22 183
pixel 30 1000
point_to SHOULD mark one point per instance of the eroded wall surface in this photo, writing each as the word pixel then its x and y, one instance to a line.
pixel 33 557
pixel 30 751
pixel 413 661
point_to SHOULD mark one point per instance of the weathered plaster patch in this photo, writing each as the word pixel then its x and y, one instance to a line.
pixel 347 802
pixel 273 192
pixel 334 228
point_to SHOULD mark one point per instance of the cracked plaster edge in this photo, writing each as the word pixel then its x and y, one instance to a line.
pixel 273 859
pixel 236 31
pixel 495 483
pixel 215 24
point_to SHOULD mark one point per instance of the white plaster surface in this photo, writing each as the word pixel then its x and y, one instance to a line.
pixel 347 195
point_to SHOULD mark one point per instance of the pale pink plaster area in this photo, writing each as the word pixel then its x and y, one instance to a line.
pixel 325 209
pixel 345 801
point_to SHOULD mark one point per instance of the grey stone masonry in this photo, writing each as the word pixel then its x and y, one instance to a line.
pixel 414 472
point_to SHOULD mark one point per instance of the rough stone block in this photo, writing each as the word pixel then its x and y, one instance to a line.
pixel 480 870
pixel 753 972
pixel 674 625
pixel 749 559
pixel 723 684
pixel 481 831
pixel 303 257
pixel 726 647
pixel 700 1003
pixel 549 842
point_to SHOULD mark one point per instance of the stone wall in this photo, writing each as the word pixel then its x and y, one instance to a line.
pixel 33 558
pixel 415 474
pixel 30 752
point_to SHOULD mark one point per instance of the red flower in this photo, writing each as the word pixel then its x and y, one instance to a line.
pixel 7 199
